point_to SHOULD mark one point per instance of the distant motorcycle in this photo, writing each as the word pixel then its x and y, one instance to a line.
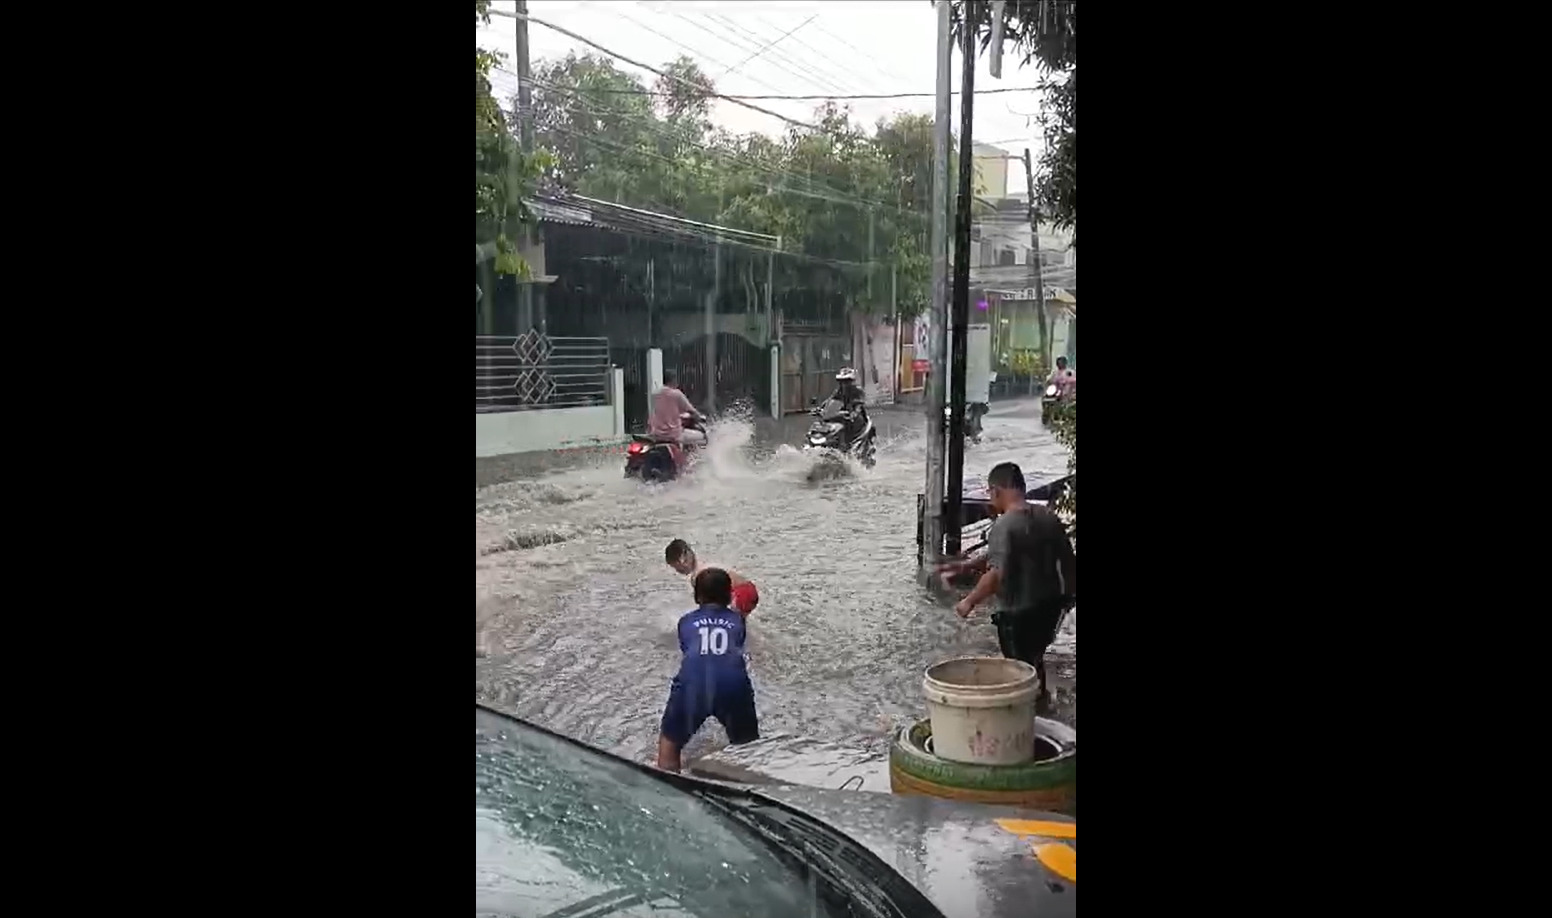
pixel 973 415
pixel 836 431
pixel 1048 404
pixel 659 460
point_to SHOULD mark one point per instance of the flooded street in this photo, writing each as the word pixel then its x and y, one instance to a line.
pixel 575 608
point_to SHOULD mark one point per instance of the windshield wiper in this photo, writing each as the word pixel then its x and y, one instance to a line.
pixel 790 833
pixel 605 903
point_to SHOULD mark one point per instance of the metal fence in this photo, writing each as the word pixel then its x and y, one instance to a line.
pixel 534 370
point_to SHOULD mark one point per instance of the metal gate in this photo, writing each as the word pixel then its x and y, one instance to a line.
pixel 808 368
pixel 742 374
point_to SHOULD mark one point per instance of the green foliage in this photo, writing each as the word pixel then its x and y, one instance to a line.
pixel 1064 426
pixel 821 190
pixel 1028 362
pixel 503 174
pixel 1045 32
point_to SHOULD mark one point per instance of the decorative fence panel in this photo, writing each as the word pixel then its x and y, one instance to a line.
pixel 533 370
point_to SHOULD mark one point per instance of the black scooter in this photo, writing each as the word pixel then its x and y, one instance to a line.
pixel 830 433
pixel 657 460
pixel 1048 404
pixel 973 415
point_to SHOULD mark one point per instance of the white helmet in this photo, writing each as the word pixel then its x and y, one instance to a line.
pixel 845 373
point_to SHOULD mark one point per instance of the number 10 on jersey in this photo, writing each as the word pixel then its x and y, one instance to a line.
pixel 713 641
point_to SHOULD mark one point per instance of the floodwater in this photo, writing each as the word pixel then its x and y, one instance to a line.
pixel 575 609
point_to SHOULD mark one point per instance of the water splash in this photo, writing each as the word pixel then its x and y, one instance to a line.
pixel 578 635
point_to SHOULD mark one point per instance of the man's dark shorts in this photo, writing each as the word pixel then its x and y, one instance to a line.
pixel 1025 634
pixel 730 701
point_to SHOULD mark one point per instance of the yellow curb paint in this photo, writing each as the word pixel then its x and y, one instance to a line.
pixel 1059 859
pixel 1040 827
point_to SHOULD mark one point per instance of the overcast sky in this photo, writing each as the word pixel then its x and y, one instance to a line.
pixel 865 46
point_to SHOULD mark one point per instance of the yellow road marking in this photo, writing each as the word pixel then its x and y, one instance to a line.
pixel 1040 827
pixel 1058 857
pixel 1062 860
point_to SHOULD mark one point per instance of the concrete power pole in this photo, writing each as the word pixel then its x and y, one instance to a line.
pixel 1034 256
pixel 956 428
pixel 525 292
pixel 937 314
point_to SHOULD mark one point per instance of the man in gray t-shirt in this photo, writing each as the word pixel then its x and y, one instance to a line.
pixel 1031 567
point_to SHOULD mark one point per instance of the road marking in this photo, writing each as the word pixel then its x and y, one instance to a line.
pixel 1058 857
pixel 1040 827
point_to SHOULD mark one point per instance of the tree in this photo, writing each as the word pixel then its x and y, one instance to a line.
pixel 503 174
pixel 1046 32
pixel 826 191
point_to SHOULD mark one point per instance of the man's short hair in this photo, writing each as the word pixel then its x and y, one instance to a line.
pixel 713 586
pixel 676 551
pixel 1061 361
pixel 1006 475
pixel 670 377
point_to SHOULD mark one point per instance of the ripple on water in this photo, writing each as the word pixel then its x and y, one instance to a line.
pixel 575 613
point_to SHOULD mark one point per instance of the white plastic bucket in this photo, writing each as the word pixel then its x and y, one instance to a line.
pixel 982 710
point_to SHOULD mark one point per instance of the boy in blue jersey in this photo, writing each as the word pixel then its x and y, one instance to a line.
pixel 712 679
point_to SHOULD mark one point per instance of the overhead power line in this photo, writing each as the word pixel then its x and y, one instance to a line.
pixel 667 76
pixel 770 44
pixel 819 96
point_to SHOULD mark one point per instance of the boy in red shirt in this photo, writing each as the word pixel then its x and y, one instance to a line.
pixel 682 558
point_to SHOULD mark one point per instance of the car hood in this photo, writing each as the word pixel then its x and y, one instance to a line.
pixel 956 854
pixel 1038 490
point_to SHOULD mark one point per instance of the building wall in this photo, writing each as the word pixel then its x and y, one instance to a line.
pixel 874 343
pixel 552 428
pixel 629 328
pixel 991 171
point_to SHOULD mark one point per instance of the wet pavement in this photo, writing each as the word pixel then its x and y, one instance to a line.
pixel 575 608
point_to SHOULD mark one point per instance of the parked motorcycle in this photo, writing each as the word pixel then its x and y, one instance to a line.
pixel 658 460
pixel 1048 404
pixel 831 432
pixel 973 416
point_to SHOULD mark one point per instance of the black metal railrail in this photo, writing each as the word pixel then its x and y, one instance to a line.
pixel 534 370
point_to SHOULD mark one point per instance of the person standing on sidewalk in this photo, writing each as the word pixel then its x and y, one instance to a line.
pixel 1029 564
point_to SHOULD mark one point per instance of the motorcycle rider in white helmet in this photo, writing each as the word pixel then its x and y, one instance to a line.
pixel 851 397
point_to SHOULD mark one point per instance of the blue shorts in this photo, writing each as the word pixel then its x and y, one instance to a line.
pixel 730 699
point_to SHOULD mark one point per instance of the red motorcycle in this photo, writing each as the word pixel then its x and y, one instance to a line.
pixel 659 460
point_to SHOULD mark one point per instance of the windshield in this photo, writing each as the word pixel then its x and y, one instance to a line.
pixel 562 830
pixel 832 410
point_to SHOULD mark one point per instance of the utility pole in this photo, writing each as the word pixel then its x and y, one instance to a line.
pixel 525 291
pixel 894 308
pixel 770 281
pixel 774 403
pixel 711 313
pixel 1034 256
pixel 956 427
pixel 937 313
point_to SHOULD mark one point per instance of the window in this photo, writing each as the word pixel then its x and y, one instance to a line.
pixel 558 826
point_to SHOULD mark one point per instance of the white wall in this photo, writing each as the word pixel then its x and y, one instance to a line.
pixel 542 429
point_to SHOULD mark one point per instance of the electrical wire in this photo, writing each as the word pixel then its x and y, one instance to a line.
pixel 771 44
pixel 817 97
pixel 836 195
pixel 593 44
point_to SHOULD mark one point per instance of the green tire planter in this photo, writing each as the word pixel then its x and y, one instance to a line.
pixel 1050 783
